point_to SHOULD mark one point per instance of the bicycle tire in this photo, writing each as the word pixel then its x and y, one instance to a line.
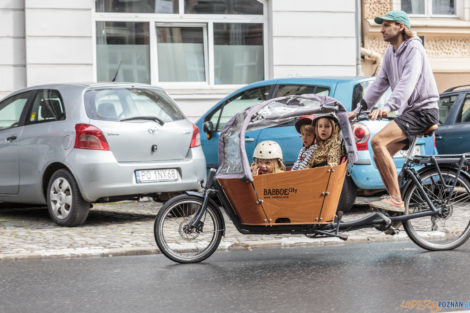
pixel 448 230
pixel 179 243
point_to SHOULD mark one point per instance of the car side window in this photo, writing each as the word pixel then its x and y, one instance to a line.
pixel 360 90
pixel 445 104
pixel 238 103
pixel 47 107
pixel 464 115
pixel 11 110
pixel 289 90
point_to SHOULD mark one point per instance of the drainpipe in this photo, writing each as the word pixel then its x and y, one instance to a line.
pixel 358 37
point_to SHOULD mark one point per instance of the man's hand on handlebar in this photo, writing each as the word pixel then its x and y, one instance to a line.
pixel 378 113
pixel 352 115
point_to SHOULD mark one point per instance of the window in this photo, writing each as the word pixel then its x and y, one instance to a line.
pixel 122 51
pixel 287 90
pixel 236 104
pixel 47 107
pixel 360 90
pixel 138 6
pixel 464 115
pixel 445 104
pixel 181 54
pixel 11 109
pixel 238 53
pixel 429 7
pixel 223 7
pixel 127 104
pixel 198 43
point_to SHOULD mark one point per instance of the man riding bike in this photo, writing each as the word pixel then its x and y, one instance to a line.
pixel 414 94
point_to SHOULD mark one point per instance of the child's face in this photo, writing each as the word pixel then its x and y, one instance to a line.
pixel 324 129
pixel 307 137
pixel 265 166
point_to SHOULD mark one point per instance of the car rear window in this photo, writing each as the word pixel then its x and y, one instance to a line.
pixel 116 104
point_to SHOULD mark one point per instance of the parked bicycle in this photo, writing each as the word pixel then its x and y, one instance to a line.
pixel 189 227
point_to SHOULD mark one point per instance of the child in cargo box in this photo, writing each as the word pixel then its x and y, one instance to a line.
pixel 305 127
pixel 267 158
pixel 328 149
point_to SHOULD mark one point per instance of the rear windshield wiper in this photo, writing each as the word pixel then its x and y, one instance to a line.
pixel 148 118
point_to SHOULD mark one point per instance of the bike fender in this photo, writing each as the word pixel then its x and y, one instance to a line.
pixel 432 167
pixel 213 204
pixel 463 172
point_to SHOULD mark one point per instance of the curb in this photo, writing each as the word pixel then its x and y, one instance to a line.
pixel 225 245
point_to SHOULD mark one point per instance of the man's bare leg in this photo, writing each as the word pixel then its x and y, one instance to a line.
pixel 385 144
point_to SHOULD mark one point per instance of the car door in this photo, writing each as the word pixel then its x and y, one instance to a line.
pixel 12 112
pixel 219 117
pixel 43 141
pixel 286 135
pixel 453 136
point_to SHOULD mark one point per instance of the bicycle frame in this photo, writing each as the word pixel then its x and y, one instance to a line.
pixel 407 175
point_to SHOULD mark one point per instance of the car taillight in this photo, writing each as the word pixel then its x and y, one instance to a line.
pixel 361 135
pixel 196 139
pixel 89 137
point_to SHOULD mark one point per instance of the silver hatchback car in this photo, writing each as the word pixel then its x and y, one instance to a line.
pixel 69 145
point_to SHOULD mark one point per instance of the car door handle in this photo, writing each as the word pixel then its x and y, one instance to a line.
pixel 249 139
pixel 11 138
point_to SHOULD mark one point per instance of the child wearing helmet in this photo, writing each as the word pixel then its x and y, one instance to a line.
pixel 307 132
pixel 267 158
pixel 329 148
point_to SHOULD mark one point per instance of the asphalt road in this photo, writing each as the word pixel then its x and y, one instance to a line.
pixel 374 277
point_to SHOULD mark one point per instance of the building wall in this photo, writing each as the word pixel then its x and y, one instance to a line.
pixel 59 41
pixel 447 41
pixel 51 41
pixel 12 43
pixel 312 38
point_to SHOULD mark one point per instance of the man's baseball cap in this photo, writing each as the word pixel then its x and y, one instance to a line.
pixel 396 16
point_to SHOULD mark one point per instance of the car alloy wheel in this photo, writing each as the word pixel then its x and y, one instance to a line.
pixel 61 198
pixel 64 200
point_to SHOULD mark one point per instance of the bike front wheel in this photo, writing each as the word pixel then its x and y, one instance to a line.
pixel 177 240
pixel 449 229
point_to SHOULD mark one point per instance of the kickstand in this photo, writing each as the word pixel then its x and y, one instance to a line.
pixel 339 216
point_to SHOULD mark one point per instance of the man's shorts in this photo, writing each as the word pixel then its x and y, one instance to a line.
pixel 415 122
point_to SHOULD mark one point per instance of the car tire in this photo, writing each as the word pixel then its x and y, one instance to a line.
pixel 348 195
pixel 64 201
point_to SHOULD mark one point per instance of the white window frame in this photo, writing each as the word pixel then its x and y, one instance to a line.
pixel 181 19
pixel 428 10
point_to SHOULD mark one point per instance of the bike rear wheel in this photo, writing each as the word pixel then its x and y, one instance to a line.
pixel 445 231
pixel 177 240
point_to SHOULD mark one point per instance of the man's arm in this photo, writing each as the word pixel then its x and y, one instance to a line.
pixel 408 81
pixel 376 90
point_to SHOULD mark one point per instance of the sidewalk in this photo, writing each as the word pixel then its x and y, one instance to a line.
pixel 126 228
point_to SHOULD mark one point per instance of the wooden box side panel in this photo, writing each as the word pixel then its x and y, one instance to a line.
pixel 296 195
pixel 243 199
pixel 335 187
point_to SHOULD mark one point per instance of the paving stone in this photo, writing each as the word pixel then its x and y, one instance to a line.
pixel 127 228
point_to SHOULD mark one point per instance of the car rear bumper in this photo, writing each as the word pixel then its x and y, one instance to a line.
pixel 99 175
pixel 366 177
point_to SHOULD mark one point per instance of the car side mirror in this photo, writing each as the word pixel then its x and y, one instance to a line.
pixel 208 128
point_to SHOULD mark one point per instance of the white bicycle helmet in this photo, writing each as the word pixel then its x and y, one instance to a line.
pixel 268 149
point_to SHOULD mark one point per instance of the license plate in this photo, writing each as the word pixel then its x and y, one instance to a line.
pixel 155 176
pixel 403 153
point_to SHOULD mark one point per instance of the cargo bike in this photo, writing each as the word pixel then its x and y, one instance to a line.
pixel 189 227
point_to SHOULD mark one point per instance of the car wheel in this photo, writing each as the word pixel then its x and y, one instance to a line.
pixel 348 195
pixel 64 201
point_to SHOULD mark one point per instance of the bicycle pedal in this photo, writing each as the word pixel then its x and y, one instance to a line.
pixel 391 231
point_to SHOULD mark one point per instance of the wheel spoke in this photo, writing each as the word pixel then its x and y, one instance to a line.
pixel 177 240
pixel 446 230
